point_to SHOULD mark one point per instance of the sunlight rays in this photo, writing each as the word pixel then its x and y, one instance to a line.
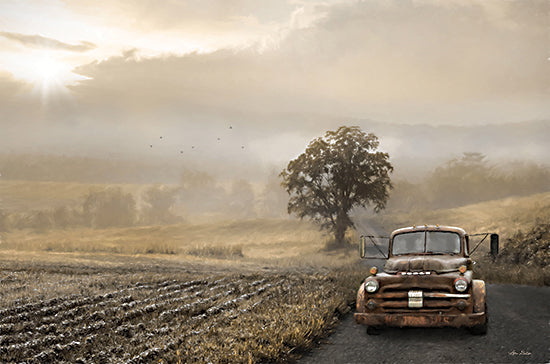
pixel 49 75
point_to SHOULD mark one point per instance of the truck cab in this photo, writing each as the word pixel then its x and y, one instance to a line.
pixel 427 281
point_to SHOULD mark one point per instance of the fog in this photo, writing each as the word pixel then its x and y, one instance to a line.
pixel 233 91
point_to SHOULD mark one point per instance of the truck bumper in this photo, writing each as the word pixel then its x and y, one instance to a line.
pixel 420 320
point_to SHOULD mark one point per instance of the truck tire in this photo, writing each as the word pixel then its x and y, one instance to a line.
pixel 480 305
pixel 480 329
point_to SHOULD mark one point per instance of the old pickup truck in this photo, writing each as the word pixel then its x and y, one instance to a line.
pixel 427 281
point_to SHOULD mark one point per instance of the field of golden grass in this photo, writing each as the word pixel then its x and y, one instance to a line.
pixel 505 216
pixel 243 291
pixel 254 242
pixel 260 240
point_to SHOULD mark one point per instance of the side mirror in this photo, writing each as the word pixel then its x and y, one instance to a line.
pixel 494 245
pixel 363 251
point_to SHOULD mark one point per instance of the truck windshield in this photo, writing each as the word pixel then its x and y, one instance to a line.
pixel 429 242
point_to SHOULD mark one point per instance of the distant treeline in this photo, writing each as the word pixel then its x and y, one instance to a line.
pixel 469 179
pixel 198 194
pixel 109 207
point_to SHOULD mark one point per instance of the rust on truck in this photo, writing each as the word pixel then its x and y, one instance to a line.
pixel 427 281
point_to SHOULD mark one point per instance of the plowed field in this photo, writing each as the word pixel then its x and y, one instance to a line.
pixel 200 318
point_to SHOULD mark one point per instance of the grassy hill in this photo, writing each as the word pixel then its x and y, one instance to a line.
pixel 521 222
pixel 257 241
pixel 505 216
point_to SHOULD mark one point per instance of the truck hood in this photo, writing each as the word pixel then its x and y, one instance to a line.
pixel 424 263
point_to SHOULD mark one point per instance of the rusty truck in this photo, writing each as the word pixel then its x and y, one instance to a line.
pixel 426 281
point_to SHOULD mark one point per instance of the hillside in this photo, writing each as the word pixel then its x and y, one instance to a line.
pixel 504 216
pixel 256 243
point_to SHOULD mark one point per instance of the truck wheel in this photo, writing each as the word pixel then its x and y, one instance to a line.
pixel 480 329
pixel 374 330
pixel 480 305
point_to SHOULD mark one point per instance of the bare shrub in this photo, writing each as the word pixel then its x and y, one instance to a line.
pixel 41 220
pixel 200 192
pixel 525 259
pixel 217 251
pixel 38 220
pixel 63 217
pixel 240 200
pixel 109 207
pixel 531 248
pixel 159 201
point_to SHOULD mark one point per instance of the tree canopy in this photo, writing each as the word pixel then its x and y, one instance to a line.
pixel 336 173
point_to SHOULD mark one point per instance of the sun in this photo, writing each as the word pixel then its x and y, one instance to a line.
pixel 47 71
pixel 47 74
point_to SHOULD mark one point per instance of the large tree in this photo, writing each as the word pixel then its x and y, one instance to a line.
pixel 337 172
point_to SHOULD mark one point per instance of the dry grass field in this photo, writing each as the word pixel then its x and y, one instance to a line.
pixel 233 291
pixel 505 216
pixel 143 317
pixel 112 295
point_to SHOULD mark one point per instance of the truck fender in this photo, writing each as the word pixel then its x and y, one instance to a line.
pixel 479 295
pixel 360 303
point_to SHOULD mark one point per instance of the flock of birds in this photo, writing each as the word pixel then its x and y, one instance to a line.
pixel 193 147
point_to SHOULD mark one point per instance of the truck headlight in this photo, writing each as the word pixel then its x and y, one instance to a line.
pixel 371 285
pixel 461 284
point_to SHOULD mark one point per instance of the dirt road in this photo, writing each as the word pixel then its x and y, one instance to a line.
pixel 519 332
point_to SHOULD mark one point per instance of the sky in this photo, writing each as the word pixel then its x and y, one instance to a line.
pixel 256 80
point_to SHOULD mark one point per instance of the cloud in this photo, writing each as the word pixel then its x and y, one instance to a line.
pixel 217 14
pixel 403 61
pixel 327 64
pixel 38 41
pixel 10 88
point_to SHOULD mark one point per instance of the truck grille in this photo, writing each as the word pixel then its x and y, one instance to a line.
pixel 418 297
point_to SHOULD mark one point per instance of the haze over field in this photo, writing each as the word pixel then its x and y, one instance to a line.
pixel 144 165
pixel 241 87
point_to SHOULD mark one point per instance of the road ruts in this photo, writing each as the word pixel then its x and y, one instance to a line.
pixel 519 332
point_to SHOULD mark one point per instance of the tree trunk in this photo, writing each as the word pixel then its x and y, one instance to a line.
pixel 340 229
